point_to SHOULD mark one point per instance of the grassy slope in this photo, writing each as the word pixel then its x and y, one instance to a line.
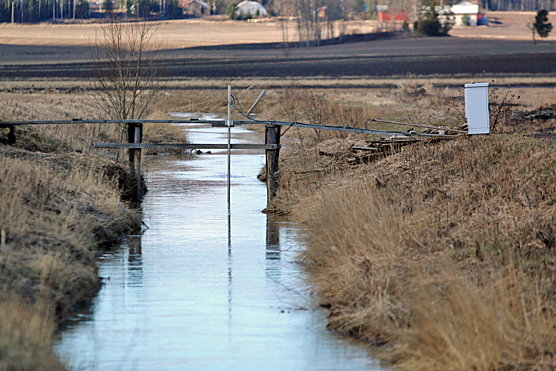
pixel 62 203
pixel 443 251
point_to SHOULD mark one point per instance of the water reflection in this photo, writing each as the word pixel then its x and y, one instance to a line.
pixel 273 252
pixel 206 287
pixel 135 261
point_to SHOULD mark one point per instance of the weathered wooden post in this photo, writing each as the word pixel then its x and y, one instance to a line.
pixel 138 139
pixel 272 136
pixel 135 135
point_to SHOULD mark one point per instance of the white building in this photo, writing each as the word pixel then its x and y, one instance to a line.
pixel 250 7
pixel 465 9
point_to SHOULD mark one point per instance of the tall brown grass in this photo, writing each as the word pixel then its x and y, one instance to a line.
pixel 450 279
pixel 26 334
pixel 62 203
pixel 443 251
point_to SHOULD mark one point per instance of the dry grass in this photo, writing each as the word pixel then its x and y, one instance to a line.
pixel 442 251
pixel 63 201
pixel 26 335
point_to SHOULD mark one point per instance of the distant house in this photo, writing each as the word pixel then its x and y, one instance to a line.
pixel 250 8
pixel 392 15
pixel 463 10
pixel 195 8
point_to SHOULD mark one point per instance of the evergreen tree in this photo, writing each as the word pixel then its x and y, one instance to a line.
pixel 358 6
pixel 82 9
pixel 108 6
pixel 541 24
pixel 430 24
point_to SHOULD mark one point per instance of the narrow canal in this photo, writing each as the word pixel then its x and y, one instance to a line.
pixel 204 289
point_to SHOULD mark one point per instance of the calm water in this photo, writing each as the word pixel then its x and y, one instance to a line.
pixel 204 289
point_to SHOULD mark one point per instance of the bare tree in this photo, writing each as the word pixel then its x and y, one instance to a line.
pixel 129 72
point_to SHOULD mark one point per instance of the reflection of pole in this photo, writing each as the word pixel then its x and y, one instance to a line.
pixel 272 238
pixel 229 123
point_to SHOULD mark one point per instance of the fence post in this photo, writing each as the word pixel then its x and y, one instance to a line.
pixel 272 136
pixel 135 135
pixel 138 139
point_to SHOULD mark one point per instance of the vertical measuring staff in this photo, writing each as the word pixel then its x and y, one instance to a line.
pixel 229 123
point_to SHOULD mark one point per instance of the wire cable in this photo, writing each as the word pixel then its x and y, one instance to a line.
pixel 235 100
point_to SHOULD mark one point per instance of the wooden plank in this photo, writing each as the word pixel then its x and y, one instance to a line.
pixel 238 122
pixel 183 146
pixel 365 148
pixel 172 121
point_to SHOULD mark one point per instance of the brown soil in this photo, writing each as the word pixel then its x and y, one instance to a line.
pixel 217 52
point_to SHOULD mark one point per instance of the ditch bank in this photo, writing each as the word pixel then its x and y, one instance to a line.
pixel 59 210
pixel 63 204
pixel 441 255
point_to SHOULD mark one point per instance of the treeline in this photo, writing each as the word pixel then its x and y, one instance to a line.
pixel 31 11
pixel 525 5
pixel 317 19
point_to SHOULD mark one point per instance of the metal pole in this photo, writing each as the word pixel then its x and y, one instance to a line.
pixel 256 102
pixel 229 138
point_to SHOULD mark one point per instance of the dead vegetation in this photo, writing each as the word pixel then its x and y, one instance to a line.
pixel 442 253
pixel 63 203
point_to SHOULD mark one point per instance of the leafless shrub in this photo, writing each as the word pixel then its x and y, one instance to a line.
pixel 128 68
pixel 411 86
pixel 502 107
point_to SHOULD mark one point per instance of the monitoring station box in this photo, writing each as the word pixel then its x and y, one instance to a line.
pixel 476 108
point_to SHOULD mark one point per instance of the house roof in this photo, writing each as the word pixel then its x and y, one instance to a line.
pixel 465 7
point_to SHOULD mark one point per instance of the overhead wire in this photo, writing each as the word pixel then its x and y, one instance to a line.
pixel 284 123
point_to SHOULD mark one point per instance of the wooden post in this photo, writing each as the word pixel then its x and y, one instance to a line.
pixel 137 154
pixel 272 136
pixel 131 152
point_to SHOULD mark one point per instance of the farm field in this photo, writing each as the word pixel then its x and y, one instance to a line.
pixel 428 197
pixel 203 53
